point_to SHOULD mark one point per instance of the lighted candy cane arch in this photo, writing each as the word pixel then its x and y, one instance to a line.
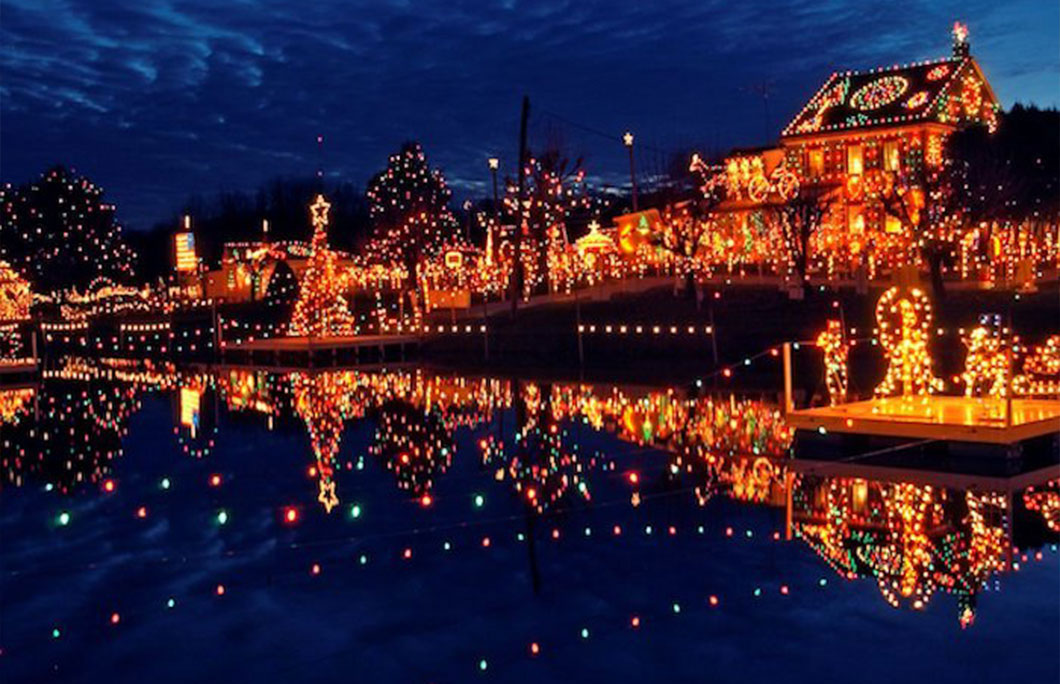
pixel 904 329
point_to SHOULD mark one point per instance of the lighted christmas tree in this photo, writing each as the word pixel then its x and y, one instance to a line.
pixel 321 309
pixel 409 208
pixel 58 233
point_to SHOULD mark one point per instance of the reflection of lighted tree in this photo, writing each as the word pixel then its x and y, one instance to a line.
pixel 912 539
pixel 757 480
pixel 323 402
pixel 414 444
pixel 79 430
pixel 543 465
pixel 664 419
pixel 713 442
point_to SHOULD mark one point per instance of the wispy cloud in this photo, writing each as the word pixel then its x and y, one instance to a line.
pixel 158 99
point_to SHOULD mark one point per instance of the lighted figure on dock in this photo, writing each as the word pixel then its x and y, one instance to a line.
pixel 986 368
pixel 836 353
pixel 904 330
pixel 321 309
pixel 1041 371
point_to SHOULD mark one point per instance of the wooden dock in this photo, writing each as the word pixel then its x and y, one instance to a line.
pixel 302 351
pixel 956 419
pixel 984 482
pixel 21 367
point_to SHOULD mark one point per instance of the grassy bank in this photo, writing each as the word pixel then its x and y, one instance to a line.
pixel 744 321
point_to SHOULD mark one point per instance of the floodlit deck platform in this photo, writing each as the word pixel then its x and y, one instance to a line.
pixel 335 350
pixel 954 419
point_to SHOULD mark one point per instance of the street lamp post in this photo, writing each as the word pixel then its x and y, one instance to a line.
pixel 494 164
pixel 627 140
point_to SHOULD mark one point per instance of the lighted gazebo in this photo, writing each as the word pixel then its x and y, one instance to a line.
pixel 15 301
pixel 15 295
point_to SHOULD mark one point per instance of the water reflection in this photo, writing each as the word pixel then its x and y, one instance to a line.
pixel 912 539
pixel 548 444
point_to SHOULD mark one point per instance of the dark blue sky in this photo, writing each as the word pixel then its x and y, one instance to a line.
pixel 156 100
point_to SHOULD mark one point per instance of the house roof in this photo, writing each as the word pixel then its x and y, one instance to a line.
pixel 887 96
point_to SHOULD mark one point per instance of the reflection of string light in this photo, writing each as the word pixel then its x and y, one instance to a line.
pixel 1046 501
pixel 964 545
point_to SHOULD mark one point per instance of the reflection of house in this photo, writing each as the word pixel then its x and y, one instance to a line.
pixel 897 533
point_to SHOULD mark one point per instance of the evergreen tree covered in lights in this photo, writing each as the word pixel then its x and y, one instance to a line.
pixel 409 209
pixel 60 234
pixel 321 309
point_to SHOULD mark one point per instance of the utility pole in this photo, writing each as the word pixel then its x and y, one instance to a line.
pixel 468 206
pixel 627 140
pixel 765 89
pixel 320 163
pixel 517 267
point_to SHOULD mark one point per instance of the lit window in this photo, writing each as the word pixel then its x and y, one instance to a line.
pixel 854 160
pixel 816 160
pixel 856 219
pixel 933 156
pixel 892 224
pixel 890 156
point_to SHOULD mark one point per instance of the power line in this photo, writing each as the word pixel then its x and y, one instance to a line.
pixel 596 131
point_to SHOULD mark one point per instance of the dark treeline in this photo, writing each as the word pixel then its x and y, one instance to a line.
pixel 232 216
pixel 1013 173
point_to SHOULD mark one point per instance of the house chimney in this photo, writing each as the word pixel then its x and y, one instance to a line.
pixel 960 40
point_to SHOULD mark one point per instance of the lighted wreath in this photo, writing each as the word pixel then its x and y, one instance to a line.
pixel 917 100
pixel 879 93
pixel 941 71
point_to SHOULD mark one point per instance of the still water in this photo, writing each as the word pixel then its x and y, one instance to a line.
pixel 414 525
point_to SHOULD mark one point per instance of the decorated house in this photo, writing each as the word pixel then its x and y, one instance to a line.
pixel 864 131
pixel 859 142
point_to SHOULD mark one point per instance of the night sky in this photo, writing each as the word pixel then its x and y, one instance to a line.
pixel 158 100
